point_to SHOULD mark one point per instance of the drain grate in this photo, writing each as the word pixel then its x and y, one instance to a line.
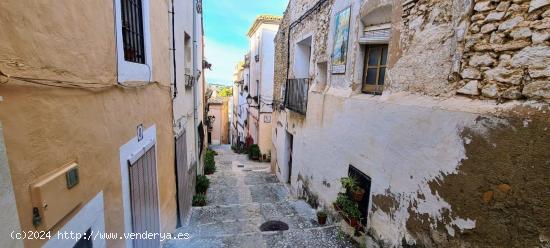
pixel 240 165
pixel 273 225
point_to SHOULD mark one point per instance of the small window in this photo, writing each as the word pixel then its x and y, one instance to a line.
pixel 375 68
pixel 187 52
pixel 132 31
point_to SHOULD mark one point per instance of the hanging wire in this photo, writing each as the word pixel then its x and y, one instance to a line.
pixel 73 85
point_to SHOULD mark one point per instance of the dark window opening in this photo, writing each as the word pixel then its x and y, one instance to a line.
pixel 132 31
pixel 296 94
pixel 85 241
pixel 374 72
pixel 365 183
pixel 201 138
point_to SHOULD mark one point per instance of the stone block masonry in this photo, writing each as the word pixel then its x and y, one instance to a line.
pixel 506 50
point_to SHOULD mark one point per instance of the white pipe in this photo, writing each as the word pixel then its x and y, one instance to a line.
pixel 195 87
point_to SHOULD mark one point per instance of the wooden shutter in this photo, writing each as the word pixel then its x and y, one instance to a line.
pixel 144 198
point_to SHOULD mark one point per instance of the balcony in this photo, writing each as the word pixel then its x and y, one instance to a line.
pixel 296 93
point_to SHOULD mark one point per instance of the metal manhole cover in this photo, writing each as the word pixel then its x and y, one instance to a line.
pixel 273 225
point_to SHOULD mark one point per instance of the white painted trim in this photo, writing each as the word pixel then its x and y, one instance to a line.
pixel 128 151
pixel 136 155
pixel 378 27
pixel 129 71
pixel 92 215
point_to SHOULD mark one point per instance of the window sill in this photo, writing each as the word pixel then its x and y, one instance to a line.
pixel 134 72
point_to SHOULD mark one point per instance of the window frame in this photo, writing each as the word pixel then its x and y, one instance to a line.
pixel 377 88
pixel 132 31
pixel 128 71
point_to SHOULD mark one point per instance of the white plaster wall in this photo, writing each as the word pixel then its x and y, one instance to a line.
pixel 267 59
pixel 401 141
pixel 183 102
pixel 8 216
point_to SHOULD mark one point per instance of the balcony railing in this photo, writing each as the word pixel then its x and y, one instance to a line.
pixel 296 93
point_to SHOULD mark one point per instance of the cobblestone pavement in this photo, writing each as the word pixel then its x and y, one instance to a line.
pixel 242 196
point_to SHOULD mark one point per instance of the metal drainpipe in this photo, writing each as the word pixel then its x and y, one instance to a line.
pixel 195 88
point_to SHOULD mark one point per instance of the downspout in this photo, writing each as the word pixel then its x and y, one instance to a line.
pixel 174 51
pixel 195 88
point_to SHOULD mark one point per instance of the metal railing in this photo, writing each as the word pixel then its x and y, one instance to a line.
pixel 296 93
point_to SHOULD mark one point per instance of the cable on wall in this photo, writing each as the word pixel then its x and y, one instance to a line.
pixel 71 84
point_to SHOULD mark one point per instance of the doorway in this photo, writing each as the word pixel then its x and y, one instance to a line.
pixel 144 197
pixel 289 148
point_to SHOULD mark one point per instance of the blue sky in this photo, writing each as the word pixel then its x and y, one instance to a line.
pixel 226 23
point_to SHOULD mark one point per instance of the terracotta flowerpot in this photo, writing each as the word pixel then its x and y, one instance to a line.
pixel 352 222
pixel 358 194
pixel 321 219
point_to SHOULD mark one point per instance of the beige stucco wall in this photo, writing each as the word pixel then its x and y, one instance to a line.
pixel 220 127
pixel 46 127
pixel 225 122
pixel 264 139
pixel 216 111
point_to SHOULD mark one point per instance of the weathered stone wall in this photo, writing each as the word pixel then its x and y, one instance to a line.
pixel 486 49
pixel 447 171
pixel 506 50
pixel 425 46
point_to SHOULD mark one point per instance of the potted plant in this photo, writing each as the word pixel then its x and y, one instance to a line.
pixel 209 164
pixel 341 201
pixel 254 152
pixel 353 213
pixel 321 217
pixel 202 184
pixel 353 188
pixel 199 200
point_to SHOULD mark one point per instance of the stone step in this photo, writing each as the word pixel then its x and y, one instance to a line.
pixel 315 237
pixel 268 211
pixel 229 193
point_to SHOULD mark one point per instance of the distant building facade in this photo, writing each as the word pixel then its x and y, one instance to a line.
pixel 218 119
pixel 255 84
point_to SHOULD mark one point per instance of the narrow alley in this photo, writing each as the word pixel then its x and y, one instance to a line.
pixel 274 123
pixel 242 196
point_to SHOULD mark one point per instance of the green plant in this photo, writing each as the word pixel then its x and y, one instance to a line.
pixel 352 210
pixel 199 200
pixel 211 152
pixel 349 207
pixel 209 163
pixel 202 184
pixel 342 200
pixel 349 183
pixel 322 213
pixel 254 152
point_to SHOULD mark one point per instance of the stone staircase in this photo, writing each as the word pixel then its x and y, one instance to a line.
pixel 243 196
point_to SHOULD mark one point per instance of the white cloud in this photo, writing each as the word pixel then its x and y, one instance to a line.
pixel 224 59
